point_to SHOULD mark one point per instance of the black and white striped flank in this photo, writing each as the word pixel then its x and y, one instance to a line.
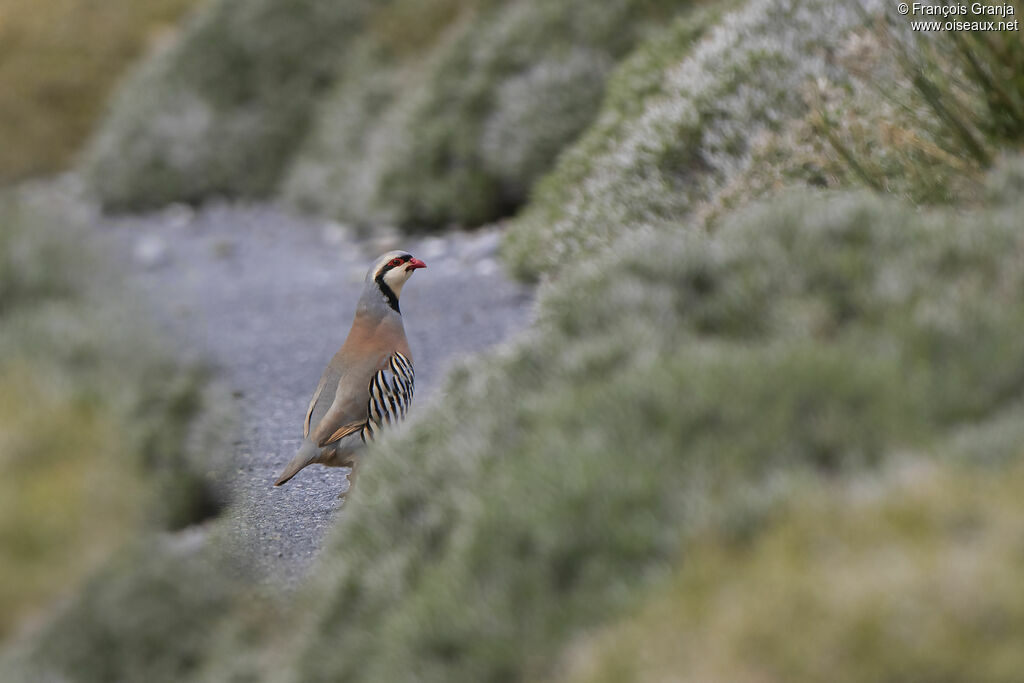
pixel 390 395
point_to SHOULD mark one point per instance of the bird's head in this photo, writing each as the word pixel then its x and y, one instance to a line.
pixel 390 273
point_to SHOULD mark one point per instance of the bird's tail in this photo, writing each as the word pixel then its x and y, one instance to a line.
pixel 307 455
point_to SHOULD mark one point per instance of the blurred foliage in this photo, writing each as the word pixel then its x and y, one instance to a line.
pixel 919 115
pixel 99 428
pixel 913 574
pixel 458 130
pixel 58 62
pixel 61 457
pixel 422 113
pixel 864 102
pixel 922 115
pixel 146 617
pixel 667 139
pixel 429 114
pixel 220 110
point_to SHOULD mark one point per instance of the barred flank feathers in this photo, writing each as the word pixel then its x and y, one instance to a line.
pixel 389 401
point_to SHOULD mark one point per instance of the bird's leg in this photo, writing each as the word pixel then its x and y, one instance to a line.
pixel 351 482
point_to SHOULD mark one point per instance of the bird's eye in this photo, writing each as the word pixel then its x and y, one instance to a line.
pixel 396 261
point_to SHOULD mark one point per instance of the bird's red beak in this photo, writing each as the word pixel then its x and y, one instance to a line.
pixel 415 263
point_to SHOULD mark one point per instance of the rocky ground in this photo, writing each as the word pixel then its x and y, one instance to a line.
pixel 267 298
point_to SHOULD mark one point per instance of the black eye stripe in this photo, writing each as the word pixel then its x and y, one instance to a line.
pixel 391 264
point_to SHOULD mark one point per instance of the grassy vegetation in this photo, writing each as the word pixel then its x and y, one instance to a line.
pixel 422 114
pixel 917 115
pixel 94 415
pixel 148 615
pixel 458 130
pixel 220 111
pixel 59 60
pixel 920 115
pixel 668 140
pixel 334 171
pixel 46 545
pixel 910 574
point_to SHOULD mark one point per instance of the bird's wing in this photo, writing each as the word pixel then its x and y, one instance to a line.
pixel 343 432
pixel 312 405
pixel 344 400
pixel 385 400
pixel 323 396
pixel 344 410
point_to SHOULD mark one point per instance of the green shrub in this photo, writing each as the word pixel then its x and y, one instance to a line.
pixel 919 114
pixel 222 109
pixel 458 130
pixel 442 112
pixel 148 615
pixel 907 576
pixel 775 97
pixel 102 434
pixel 58 62
pixel 48 484
pixel 670 138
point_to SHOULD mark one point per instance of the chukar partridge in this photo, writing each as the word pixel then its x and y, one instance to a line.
pixel 369 382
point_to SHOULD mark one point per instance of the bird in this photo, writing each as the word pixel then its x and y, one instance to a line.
pixel 368 384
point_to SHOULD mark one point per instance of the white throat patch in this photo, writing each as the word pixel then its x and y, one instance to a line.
pixel 396 278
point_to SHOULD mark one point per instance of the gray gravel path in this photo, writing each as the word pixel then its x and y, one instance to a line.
pixel 268 297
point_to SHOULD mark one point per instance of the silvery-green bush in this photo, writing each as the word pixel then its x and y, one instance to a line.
pixel 220 111
pixel 923 114
pixel 105 434
pixel 787 92
pixel 421 115
pixel 457 131
pixel 877 571
pixel 678 123
pixel 149 614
